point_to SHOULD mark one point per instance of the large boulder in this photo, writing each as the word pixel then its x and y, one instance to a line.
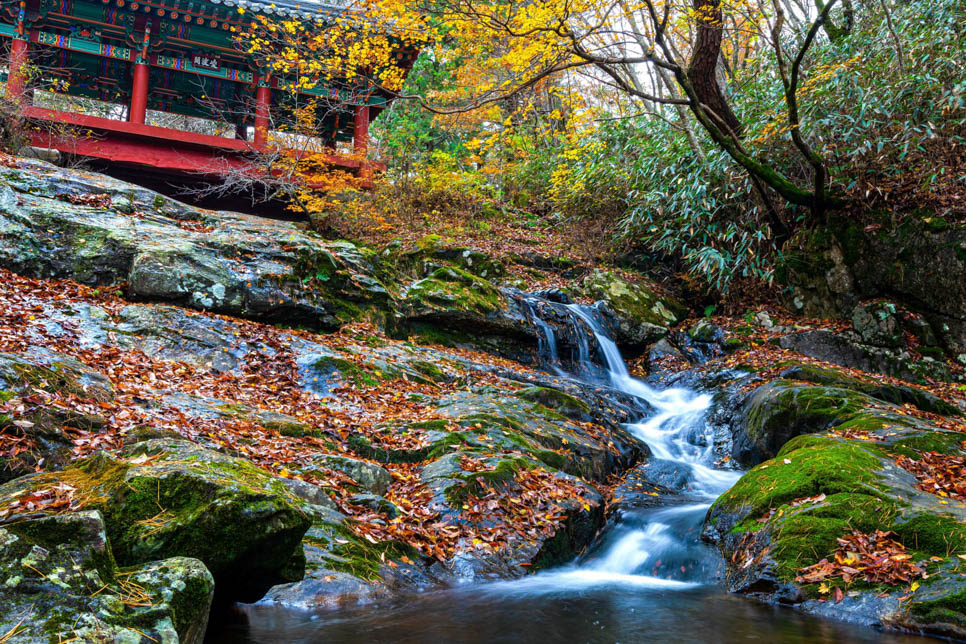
pixel 847 350
pixel 835 461
pixel 59 582
pixel 780 410
pixel 454 307
pixel 96 230
pixel 878 324
pixel 41 427
pixel 171 498
pixel 919 263
pixel 780 530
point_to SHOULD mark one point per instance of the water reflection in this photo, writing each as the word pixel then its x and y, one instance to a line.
pixel 593 615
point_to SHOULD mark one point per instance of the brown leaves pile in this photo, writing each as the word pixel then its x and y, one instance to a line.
pixel 874 557
pixel 940 474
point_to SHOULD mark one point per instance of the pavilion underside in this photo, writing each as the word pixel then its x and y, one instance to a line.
pixel 177 58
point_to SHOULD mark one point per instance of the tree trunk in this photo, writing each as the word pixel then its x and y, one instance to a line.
pixel 704 63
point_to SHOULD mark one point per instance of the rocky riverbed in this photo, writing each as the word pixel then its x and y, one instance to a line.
pixel 199 408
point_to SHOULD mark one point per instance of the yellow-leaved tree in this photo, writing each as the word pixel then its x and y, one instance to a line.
pixel 654 55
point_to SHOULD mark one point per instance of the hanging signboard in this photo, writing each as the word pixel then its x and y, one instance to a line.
pixel 202 60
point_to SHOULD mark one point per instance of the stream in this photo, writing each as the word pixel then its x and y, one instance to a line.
pixel 649 576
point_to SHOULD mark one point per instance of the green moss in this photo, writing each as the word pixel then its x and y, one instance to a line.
pixel 453 288
pixel 935 223
pixel 363 559
pixel 950 609
pixel 556 400
pixel 429 243
pixel 472 483
pixel 53 531
pixel 932 535
pixel 818 465
pixel 552 459
pixel 783 408
pixel 350 371
pixel 898 394
pixel 806 535
pixel 364 447
pixel 293 429
pixel 640 302
pixel 188 602
pixel 429 370
pixel 432 334
pixel 434 425
pixel 942 442
pixel 447 444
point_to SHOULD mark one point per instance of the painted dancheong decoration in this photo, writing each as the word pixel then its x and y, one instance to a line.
pixel 179 57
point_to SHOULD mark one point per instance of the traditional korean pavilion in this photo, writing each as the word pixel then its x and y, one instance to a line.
pixel 177 57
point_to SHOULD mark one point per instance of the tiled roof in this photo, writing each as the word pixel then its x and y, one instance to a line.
pixel 290 8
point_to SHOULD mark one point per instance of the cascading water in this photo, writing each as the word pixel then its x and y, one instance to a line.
pixel 650 547
pixel 648 579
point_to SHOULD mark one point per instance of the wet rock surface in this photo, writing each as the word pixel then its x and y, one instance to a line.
pixel 61 582
pixel 291 493
pixel 828 462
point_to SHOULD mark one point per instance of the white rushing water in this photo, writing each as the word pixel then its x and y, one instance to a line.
pixel 659 547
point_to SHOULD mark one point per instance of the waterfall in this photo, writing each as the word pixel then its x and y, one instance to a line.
pixel 659 547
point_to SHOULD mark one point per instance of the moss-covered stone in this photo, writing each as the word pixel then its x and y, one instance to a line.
pixel 59 582
pixel 947 614
pixel 818 465
pixel 557 400
pixel 451 288
pixel 782 409
pixel 888 392
pixel 170 498
pixel 643 314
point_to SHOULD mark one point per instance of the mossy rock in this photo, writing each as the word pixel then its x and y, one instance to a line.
pixel 465 484
pixel 891 393
pixel 788 513
pixel 433 251
pixel 878 324
pixel 643 315
pixel 944 616
pixel 171 498
pixel 783 409
pixel 818 465
pixel 59 582
pixel 455 290
pixel 558 401
pixel 46 426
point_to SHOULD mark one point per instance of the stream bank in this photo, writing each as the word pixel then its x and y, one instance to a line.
pixel 370 424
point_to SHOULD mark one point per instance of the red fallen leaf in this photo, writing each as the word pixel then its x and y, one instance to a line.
pixel 838 594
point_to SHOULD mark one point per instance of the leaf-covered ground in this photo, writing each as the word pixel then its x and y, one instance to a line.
pixel 267 378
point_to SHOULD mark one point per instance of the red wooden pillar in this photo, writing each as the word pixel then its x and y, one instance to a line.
pixel 139 90
pixel 360 129
pixel 16 79
pixel 263 105
pixel 139 93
